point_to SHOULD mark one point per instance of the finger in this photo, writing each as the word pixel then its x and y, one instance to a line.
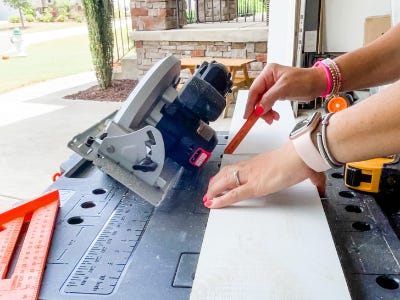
pixel 268 117
pixel 252 100
pixel 232 196
pixel 276 116
pixel 319 180
pixel 262 83
pixel 270 97
pixel 222 182
pixel 256 91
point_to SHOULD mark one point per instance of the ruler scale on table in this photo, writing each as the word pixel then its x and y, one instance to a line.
pixel 237 139
pixel 25 277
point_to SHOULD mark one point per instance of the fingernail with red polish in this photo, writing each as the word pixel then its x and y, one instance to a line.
pixel 208 203
pixel 259 110
pixel 205 199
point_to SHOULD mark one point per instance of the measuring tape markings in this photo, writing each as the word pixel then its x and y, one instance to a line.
pixel 72 240
pixel 101 266
pixel 25 281
pixel 9 233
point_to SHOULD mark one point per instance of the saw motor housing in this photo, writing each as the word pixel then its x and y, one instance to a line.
pixel 158 130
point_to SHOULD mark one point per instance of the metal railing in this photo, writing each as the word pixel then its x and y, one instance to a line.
pixel 122 25
pixel 208 11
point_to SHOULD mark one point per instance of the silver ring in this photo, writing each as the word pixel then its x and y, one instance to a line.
pixel 236 177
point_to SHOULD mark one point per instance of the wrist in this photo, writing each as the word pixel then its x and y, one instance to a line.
pixel 309 138
pixel 318 81
pixel 303 140
pixel 303 171
pixel 333 77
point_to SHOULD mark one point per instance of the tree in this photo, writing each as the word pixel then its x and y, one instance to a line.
pixel 20 5
pixel 99 21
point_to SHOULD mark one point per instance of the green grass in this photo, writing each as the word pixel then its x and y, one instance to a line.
pixel 46 61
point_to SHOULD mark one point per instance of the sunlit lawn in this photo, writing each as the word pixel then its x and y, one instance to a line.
pixel 45 61
pixel 40 26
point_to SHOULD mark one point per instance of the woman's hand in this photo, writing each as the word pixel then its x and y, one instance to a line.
pixel 264 174
pixel 281 82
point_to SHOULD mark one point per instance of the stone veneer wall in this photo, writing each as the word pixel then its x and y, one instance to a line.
pixel 163 14
pixel 245 42
pixel 210 11
pixel 157 14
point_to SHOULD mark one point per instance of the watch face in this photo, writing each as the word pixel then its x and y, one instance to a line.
pixel 299 126
pixel 304 124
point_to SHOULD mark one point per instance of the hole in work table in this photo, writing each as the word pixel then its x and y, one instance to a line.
pixel 387 282
pixel 99 191
pixel 353 209
pixel 88 204
pixel 75 220
pixel 337 175
pixel 361 226
pixel 346 194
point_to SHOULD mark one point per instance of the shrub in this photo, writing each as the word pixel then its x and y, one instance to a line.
pixel 14 19
pixel 62 15
pixel 62 18
pixel 29 18
pixel 76 16
pixel 101 39
pixel 78 19
pixel 29 10
pixel 47 16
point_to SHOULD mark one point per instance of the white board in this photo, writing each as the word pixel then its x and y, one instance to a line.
pixel 274 247
pixel 281 31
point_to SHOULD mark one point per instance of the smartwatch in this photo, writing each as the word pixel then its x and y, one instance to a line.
pixel 304 146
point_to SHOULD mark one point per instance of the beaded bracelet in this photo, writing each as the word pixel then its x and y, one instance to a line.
pixel 333 77
pixel 336 75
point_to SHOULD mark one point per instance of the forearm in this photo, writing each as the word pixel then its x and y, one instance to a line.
pixel 375 64
pixel 368 129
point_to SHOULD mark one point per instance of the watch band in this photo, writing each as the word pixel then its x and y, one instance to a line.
pixel 309 153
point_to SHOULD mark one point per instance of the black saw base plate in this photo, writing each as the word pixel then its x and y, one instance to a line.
pixel 109 243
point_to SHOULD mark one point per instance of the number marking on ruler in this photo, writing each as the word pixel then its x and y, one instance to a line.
pixel 102 265
pixel 24 280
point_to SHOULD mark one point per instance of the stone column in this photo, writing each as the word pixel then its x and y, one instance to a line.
pixel 150 15
pixel 216 11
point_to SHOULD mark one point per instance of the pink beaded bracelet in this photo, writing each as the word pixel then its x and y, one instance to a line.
pixel 319 64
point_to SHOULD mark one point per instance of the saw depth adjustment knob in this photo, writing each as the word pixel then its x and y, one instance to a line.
pixel 145 165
